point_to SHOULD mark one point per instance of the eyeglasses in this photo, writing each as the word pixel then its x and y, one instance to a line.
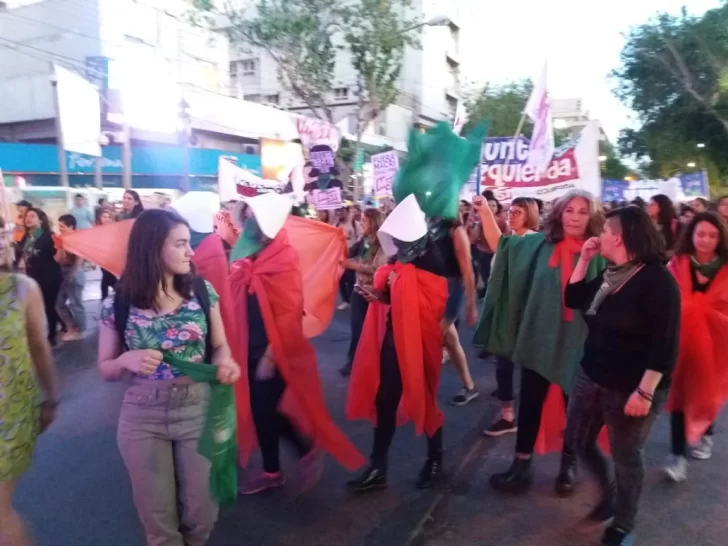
pixel 515 212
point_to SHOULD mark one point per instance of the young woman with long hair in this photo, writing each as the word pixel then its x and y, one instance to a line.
pixel 131 205
pixel 170 313
pixel 38 253
pixel 721 207
pixel 632 310
pixel 662 213
pixel 698 391
pixel 369 258
pixel 529 324
pixel 27 365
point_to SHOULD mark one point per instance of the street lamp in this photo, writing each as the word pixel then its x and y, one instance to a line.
pixel 701 145
pixel 691 164
pixel 602 158
pixel 437 21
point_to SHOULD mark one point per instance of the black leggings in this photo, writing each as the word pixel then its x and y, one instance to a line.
pixel 677 430
pixel 534 388
pixel 108 280
pixel 270 425
pixel 359 307
pixel 346 285
pixel 388 397
pixel 50 292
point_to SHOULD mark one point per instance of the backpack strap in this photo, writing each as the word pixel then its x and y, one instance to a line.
pixel 121 317
pixel 199 286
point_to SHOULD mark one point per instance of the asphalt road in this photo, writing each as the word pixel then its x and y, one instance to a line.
pixel 78 494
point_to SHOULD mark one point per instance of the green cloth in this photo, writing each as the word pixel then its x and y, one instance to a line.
pixel 709 270
pixel 438 165
pixel 522 313
pixel 250 241
pixel 218 442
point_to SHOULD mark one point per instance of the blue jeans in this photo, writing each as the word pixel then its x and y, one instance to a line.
pixel 70 300
pixel 591 407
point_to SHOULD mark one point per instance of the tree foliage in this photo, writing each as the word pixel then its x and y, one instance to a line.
pixel 674 74
pixel 501 105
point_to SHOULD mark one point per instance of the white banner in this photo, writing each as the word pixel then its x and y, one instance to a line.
pixel 79 113
pixel 385 166
pixel 234 182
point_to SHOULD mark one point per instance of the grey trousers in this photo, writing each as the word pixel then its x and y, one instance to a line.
pixel 159 428
pixel 590 408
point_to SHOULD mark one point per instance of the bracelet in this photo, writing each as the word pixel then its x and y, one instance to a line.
pixel 646 395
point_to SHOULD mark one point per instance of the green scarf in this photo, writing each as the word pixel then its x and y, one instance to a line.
pixel 250 241
pixel 218 442
pixel 30 240
pixel 709 270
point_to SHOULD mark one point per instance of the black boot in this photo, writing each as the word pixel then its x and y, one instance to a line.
pixel 345 370
pixel 431 471
pixel 566 480
pixel 605 510
pixel 373 479
pixel 516 480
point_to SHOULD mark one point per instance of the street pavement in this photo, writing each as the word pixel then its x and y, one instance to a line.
pixel 77 492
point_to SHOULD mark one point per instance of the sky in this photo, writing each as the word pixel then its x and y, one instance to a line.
pixel 581 39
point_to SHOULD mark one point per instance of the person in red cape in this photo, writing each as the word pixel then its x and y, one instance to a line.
pixel 399 356
pixel 700 381
pixel 281 363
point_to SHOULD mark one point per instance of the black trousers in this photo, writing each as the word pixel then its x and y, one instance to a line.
pixel 388 397
pixel 49 289
pixel 359 307
pixel 346 285
pixel 534 388
pixel 270 424
pixel 504 378
pixel 485 260
pixel 677 433
pixel 107 281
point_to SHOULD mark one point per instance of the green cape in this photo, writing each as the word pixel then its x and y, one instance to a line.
pixel 218 442
pixel 522 313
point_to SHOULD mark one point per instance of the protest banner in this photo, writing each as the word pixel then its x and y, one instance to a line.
pixel 328 199
pixel 234 182
pixel 385 166
pixel 505 169
pixel 680 188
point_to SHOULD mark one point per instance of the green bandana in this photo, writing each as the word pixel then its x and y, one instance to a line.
pixel 250 241
pixel 709 270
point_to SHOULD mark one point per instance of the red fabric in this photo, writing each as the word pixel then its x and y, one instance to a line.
pixel 700 379
pixel 103 245
pixel 564 256
pixel 418 303
pixel 275 278
pixel 553 423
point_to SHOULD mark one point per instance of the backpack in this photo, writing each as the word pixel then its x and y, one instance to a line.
pixel 199 290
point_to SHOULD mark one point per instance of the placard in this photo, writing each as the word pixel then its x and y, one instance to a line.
pixel 329 199
pixel 385 166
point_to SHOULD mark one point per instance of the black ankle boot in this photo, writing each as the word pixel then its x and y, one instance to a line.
pixel 566 480
pixel 430 474
pixel 346 369
pixel 373 479
pixel 516 480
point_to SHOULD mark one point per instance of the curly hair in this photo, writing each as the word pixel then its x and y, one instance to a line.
pixel 553 226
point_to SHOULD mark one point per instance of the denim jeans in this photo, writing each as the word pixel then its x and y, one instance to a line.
pixel 159 429
pixel 590 408
pixel 69 303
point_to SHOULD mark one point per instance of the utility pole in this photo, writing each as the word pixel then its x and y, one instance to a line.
pixel 62 166
pixel 126 154
pixel 185 136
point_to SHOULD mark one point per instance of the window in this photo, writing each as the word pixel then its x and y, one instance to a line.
pixel 252 98
pixel 272 99
pixel 243 68
pixel 341 93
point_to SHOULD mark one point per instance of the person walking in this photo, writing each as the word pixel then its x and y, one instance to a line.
pixel 353 231
pixel 700 380
pixel 27 368
pixel 131 205
pixel 163 308
pixel 70 297
pixel 82 212
pixel 108 279
pixel 632 309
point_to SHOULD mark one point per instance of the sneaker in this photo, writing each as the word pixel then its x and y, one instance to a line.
pixel 616 536
pixel 259 481
pixel 677 468
pixel 343 306
pixel 501 427
pixel 704 450
pixel 308 471
pixel 465 396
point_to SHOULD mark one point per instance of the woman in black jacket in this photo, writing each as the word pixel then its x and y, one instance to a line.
pixel 38 251
pixel 633 313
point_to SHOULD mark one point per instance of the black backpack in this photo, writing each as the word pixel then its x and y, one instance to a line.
pixel 199 289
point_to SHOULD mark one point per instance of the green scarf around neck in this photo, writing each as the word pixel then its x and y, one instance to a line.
pixel 218 442
pixel 709 270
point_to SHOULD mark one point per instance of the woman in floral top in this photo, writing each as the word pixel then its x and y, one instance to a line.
pixel 163 412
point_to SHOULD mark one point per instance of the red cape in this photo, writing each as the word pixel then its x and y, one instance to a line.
pixel 418 304
pixel 275 278
pixel 700 379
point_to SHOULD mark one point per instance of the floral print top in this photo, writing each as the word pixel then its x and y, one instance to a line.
pixel 181 332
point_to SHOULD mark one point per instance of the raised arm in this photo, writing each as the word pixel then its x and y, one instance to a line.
pixel 490 227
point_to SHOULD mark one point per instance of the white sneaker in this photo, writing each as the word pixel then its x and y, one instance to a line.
pixel 677 468
pixel 703 450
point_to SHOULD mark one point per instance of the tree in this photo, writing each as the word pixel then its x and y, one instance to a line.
pixel 304 36
pixel 501 105
pixel 674 74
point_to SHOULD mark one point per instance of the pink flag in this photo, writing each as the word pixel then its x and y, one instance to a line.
pixel 539 110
